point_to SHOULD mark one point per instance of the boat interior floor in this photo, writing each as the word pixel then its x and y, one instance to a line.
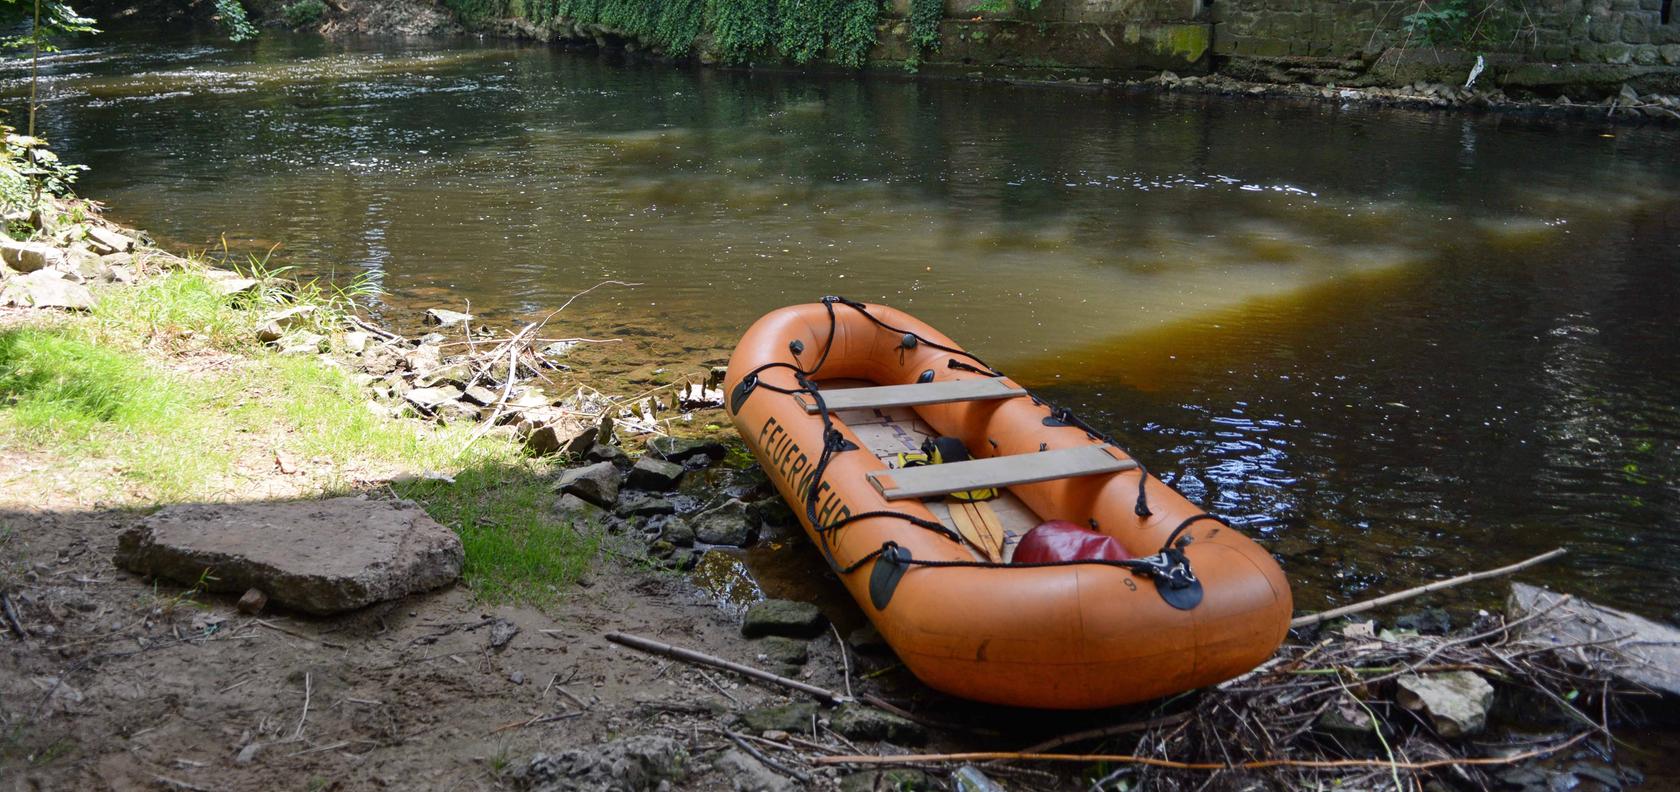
pixel 889 431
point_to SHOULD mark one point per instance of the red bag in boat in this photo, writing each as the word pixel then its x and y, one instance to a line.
pixel 1060 540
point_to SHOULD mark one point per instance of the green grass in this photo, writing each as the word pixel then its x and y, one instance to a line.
pixel 99 395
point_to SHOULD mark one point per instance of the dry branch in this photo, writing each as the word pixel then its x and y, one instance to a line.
pixel 690 656
pixel 1358 607
pixel 1258 764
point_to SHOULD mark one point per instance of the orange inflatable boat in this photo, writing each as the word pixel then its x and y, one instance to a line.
pixel 1008 552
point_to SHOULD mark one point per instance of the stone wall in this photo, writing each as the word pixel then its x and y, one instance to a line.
pixel 1613 32
pixel 1589 48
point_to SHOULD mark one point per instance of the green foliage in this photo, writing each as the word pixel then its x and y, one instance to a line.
pixel 472 11
pixel 800 28
pixel 1463 23
pixel 30 170
pixel 304 13
pixel 678 25
pixel 856 34
pixel 741 29
pixel 238 25
pixel 925 16
pixel 57 20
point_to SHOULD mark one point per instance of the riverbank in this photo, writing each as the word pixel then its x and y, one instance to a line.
pixel 1622 65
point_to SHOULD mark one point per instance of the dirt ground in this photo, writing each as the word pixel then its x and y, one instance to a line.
pixel 124 684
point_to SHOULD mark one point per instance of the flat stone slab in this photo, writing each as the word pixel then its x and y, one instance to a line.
pixel 320 557
pixel 1635 650
pixel 785 618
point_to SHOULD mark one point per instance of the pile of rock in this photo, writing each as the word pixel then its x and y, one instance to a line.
pixel 462 372
pixel 53 271
pixel 659 497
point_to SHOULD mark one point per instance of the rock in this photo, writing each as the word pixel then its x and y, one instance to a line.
pixel 458 411
pixel 303 343
pixel 480 395
pixel 633 764
pixel 867 639
pixel 608 453
pixel 783 617
pixel 356 341
pixel 440 317
pixel 46 289
pixel 968 778
pixel 248 754
pixel 568 438
pixel 275 325
pixel 457 374
pixel 1348 723
pixel 682 559
pixel 654 474
pixel 104 240
pixel 232 284
pixel 1456 702
pixel 29 256
pixel 577 511
pixel 252 602
pixel 860 722
pixel 321 557
pixel 1429 621
pixel 772 511
pixel 793 718
pixel 681 450
pixel 894 780
pixel 678 532
pixel 381 361
pixel 559 348
pixel 59 695
pixel 648 506
pixel 424 357
pixel 782 651
pixel 747 774
pixel 502 632
pixel 430 399
pixel 1645 654
pixel 726 525
pixel 597 483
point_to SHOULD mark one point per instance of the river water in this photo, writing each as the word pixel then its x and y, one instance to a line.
pixel 1392 345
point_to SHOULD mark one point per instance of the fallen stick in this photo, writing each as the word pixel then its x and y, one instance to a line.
pixel 308 688
pixel 1438 585
pixel 374 329
pixel 12 617
pixel 766 760
pixel 295 634
pixel 1107 731
pixel 1258 764
pixel 845 663
pixel 690 656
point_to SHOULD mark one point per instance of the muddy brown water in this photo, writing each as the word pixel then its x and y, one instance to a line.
pixel 1391 345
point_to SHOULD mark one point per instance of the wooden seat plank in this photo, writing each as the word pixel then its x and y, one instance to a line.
pixel 889 396
pixel 1004 471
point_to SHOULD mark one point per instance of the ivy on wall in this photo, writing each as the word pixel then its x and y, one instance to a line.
pixel 741 30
